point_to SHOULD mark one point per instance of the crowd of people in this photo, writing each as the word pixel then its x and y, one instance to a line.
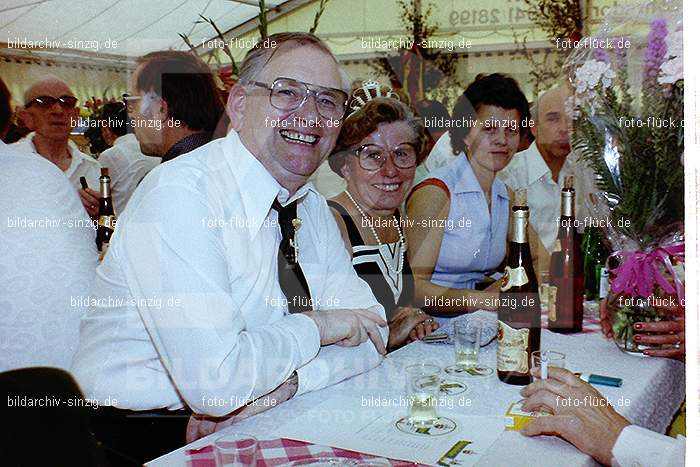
pixel 231 277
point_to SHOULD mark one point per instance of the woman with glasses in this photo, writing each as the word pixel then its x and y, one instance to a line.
pixel 377 151
pixel 459 214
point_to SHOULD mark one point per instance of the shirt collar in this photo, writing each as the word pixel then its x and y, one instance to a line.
pixel 535 165
pixel 187 144
pixel 258 189
pixel 537 168
pixel 468 183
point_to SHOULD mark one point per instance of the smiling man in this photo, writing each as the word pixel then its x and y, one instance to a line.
pixel 236 246
pixel 49 111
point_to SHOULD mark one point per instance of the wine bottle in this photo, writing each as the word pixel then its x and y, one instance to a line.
pixel 566 269
pixel 519 303
pixel 593 261
pixel 106 220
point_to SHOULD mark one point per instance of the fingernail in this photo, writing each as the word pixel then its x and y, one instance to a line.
pixel 637 325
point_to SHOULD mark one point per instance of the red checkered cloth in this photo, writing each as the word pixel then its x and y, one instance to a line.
pixel 283 451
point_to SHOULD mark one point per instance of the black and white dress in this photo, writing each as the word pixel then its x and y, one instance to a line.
pixel 390 289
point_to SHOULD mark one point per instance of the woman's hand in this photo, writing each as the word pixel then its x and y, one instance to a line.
pixel 671 333
pixel 421 330
pixel 405 322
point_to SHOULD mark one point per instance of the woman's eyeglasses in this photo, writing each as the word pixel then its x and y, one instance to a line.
pixel 373 157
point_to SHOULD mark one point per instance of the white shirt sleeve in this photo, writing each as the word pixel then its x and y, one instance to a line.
pixel 639 447
pixel 344 288
pixel 202 338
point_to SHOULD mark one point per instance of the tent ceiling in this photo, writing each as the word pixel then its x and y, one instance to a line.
pixel 136 27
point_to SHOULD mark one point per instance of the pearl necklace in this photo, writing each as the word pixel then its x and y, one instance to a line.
pixel 376 237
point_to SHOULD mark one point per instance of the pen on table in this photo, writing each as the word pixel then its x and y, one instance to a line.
pixel 600 380
pixel 83 183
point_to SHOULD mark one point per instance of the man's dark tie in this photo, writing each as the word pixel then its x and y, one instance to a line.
pixel 291 277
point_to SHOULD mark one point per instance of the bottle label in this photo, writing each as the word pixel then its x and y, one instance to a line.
pixel 511 354
pixel 513 278
pixel 557 246
pixel 106 221
pixel 552 303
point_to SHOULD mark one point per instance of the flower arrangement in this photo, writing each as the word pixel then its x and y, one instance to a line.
pixel 627 111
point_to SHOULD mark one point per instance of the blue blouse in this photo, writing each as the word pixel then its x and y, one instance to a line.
pixel 474 240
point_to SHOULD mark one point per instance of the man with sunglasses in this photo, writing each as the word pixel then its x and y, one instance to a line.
pixel 50 112
pixel 236 283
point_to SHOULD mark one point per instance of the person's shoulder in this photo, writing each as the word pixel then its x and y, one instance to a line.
pixel 28 172
pixel 515 173
pixel 82 157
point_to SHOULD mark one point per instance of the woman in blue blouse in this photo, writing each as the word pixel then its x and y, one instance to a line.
pixel 459 214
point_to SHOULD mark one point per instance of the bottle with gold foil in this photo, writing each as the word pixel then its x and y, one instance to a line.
pixel 106 220
pixel 519 303
pixel 566 286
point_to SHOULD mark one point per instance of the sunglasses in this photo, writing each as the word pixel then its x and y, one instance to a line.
pixel 46 102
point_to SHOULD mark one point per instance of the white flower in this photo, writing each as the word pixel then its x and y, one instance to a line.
pixel 588 76
pixel 672 68
pixel 592 73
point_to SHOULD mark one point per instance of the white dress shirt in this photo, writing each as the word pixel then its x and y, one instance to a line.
pixel 81 165
pixel 441 154
pixel 47 246
pixel 127 166
pixel 528 170
pixel 639 447
pixel 191 311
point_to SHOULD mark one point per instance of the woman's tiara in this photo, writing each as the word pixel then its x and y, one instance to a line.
pixel 370 90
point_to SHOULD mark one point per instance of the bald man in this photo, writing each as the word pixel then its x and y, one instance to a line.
pixel 542 167
pixel 50 112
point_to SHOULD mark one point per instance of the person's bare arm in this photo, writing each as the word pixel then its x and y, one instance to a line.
pixel 199 426
pixel 427 204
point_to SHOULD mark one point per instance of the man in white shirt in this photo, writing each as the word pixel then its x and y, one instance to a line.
pixel 582 416
pixel 126 163
pixel 47 246
pixel 543 166
pixel 50 112
pixel 190 311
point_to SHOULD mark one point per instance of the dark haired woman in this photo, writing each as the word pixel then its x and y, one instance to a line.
pixel 377 152
pixel 459 214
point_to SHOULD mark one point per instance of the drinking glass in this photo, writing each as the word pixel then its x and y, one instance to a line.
pixel 236 450
pixel 545 359
pixel 467 344
pixel 422 391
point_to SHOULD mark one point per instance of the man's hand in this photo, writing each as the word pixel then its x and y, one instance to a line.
pixel 582 416
pixel 671 333
pixel 201 425
pixel 90 199
pixel 406 321
pixel 349 328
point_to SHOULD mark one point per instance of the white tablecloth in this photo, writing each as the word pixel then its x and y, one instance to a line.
pixel 652 392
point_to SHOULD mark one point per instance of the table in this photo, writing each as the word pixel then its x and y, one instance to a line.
pixel 653 390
